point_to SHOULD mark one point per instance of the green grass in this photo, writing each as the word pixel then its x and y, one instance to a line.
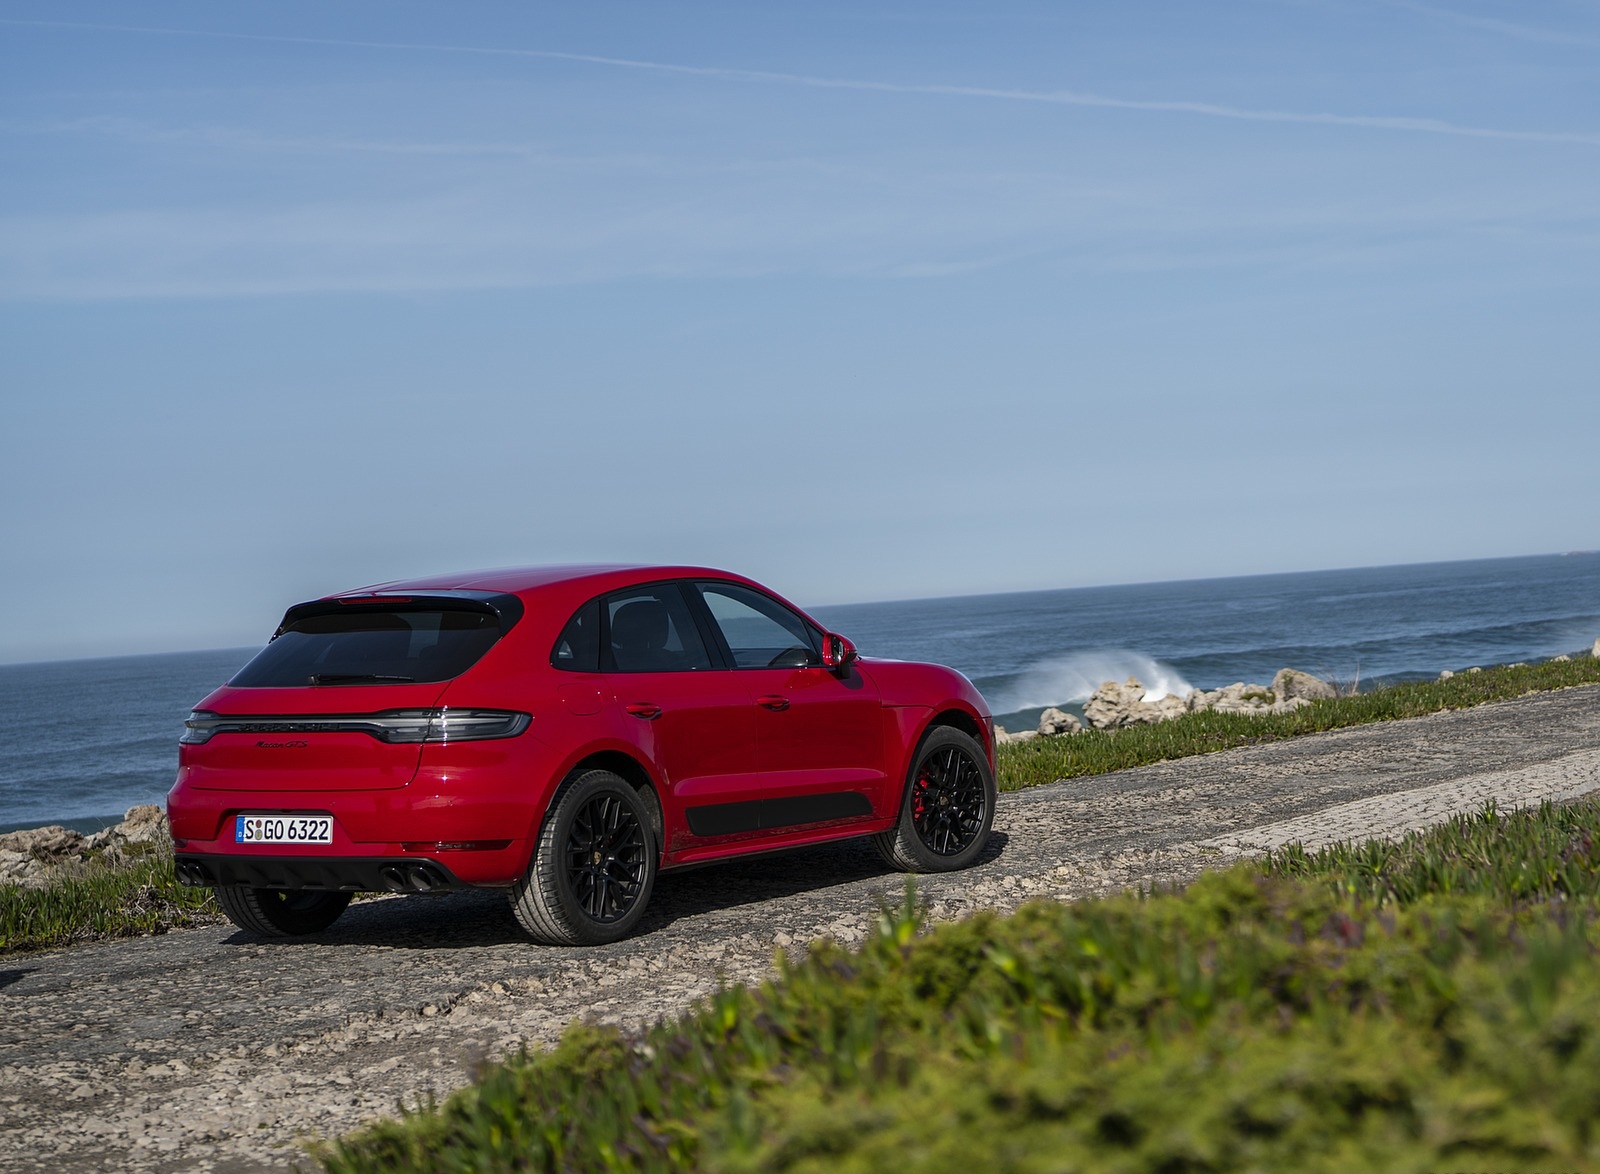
pixel 1328 1012
pixel 102 901
pixel 1044 760
pixel 1553 854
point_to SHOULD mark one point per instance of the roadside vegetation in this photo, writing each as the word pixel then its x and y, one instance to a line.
pixel 1092 752
pixel 130 898
pixel 1427 1005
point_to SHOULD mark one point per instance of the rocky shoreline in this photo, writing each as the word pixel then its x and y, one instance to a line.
pixel 1128 703
pixel 35 857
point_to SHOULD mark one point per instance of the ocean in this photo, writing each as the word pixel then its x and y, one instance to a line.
pixel 90 738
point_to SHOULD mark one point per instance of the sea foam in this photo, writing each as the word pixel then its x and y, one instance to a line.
pixel 1073 678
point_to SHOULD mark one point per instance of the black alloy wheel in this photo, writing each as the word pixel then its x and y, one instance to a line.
pixel 605 853
pixel 595 864
pixel 948 807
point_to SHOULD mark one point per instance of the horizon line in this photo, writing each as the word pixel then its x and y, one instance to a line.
pixel 810 607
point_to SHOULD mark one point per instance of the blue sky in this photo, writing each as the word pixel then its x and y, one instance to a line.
pixel 868 300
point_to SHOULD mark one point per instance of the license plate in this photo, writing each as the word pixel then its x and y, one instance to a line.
pixel 283 829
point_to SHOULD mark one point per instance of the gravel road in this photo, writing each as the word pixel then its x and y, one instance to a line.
pixel 205 1050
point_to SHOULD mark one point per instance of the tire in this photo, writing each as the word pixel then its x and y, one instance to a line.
pixel 280 913
pixel 594 867
pixel 948 807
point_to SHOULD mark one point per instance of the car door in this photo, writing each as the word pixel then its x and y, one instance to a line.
pixel 689 717
pixel 819 735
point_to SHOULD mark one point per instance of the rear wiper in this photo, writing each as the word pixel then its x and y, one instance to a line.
pixel 351 678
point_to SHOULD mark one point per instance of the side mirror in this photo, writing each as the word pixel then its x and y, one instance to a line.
pixel 838 653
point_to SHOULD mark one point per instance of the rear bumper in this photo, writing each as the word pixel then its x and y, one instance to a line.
pixel 484 823
pixel 357 874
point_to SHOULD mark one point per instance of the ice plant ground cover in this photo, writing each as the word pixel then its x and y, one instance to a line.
pixel 127 899
pixel 1431 1004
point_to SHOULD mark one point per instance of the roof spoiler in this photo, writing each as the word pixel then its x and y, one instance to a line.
pixel 507 609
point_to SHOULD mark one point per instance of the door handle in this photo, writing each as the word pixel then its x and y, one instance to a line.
pixel 773 702
pixel 644 709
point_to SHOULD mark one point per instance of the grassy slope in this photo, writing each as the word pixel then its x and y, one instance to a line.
pixel 102 902
pixel 1432 1005
pixel 1044 760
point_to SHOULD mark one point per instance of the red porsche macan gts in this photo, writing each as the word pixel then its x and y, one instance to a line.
pixel 563 733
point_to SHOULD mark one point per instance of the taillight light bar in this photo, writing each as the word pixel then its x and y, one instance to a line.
pixel 444 724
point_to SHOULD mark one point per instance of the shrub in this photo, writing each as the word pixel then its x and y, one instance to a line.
pixel 1275 1017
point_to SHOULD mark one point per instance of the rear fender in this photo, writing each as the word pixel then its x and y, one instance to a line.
pixel 620 758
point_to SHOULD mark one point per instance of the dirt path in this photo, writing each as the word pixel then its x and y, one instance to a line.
pixel 202 1050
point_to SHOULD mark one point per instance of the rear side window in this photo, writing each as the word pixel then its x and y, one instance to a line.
pixel 650 630
pixel 367 645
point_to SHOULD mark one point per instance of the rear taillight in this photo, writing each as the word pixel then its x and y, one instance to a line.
pixel 472 725
pixel 444 724
pixel 198 728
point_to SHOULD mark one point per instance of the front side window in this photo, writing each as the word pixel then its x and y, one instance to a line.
pixel 362 645
pixel 760 632
pixel 650 630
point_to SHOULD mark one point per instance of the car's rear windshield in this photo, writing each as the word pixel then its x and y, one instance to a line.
pixel 369 645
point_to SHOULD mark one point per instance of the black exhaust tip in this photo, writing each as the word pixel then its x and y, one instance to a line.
pixel 189 872
pixel 393 879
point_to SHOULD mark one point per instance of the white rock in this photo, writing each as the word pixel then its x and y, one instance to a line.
pixel 1053 722
pixel 1001 738
pixel 1446 675
pixel 1113 705
pixel 44 842
pixel 33 855
pixel 1167 707
pixel 1235 698
pixel 143 824
pixel 1290 684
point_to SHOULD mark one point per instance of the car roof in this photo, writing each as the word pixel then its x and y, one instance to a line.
pixel 596 577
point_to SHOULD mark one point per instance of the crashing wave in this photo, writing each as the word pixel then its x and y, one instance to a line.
pixel 1072 679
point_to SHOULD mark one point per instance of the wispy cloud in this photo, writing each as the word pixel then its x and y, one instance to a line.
pixel 1505 28
pixel 1074 98
pixel 532 230
pixel 227 137
pixel 224 137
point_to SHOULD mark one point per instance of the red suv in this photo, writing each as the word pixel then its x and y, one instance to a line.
pixel 563 733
